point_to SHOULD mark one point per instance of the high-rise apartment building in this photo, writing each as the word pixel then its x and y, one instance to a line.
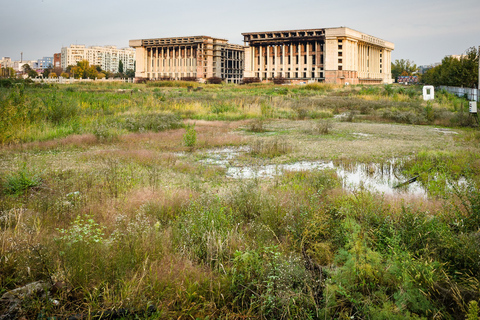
pixel 107 57
pixel 200 57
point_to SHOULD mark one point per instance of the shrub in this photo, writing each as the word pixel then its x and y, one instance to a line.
pixel 248 80
pixel 21 181
pixel 214 80
pixel 279 80
pixel 322 127
pixel 190 136
pixel 257 126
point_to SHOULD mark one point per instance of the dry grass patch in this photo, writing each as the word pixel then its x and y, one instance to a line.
pixel 77 141
pixel 170 140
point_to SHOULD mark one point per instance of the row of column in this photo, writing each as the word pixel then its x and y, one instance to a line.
pixel 262 63
pixel 166 61
pixel 369 65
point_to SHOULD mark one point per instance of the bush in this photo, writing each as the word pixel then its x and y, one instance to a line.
pixel 322 127
pixel 214 80
pixel 190 136
pixel 21 181
pixel 248 80
pixel 279 80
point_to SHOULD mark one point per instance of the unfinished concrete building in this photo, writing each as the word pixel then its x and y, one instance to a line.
pixel 200 57
pixel 332 55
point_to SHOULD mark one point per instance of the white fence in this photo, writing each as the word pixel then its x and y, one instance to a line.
pixel 71 80
pixel 469 93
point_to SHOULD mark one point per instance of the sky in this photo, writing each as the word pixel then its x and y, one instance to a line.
pixel 423 31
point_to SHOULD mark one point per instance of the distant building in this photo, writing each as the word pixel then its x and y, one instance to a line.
pixel 6 62
pixel 108 57
pixel 200 57
pixel 57 60
pixel 425 68
pixel 44 63
pixel 333 55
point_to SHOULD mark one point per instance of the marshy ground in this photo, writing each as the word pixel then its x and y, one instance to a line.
pixel 107 194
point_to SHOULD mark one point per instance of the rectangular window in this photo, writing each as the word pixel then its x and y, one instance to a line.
pixel 340 47
pixel 339 60
pixel 305 59
pixel 339 67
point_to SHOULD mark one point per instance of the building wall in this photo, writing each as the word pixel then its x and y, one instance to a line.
pixel 198 57
pixel 44 63
pixel 107 57
pixel 334 55
pixel 57 60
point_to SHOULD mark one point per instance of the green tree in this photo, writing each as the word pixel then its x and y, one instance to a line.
pixel 130 73
pixel 29 71
pixel 403 67
pixel 455 71
pixel 120 66
pixel 83 70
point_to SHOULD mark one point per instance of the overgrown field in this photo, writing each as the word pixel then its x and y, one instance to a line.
pixel 111 201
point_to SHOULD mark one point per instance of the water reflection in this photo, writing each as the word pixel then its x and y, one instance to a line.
pixel 379 177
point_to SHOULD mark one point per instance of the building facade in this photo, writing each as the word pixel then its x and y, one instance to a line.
pixel 44 63
pixel 108 57
pixel 57 60
pixel 200 57
pixel 332 55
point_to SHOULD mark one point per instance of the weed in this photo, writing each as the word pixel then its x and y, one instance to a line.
pixel 322 127
pixel 21 181
pixel 270 148
pixel 257 126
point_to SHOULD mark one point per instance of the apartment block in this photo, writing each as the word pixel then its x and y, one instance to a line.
pixel 107 57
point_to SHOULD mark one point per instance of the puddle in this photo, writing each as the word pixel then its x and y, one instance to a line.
pixel 359 134
pixel 444 131
pixel 375 177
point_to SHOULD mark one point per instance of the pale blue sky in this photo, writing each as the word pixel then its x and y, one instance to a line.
pixel 422 30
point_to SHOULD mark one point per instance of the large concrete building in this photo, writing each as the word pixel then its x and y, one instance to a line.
pixel 333 55
pixel 200 57
pixel 108 57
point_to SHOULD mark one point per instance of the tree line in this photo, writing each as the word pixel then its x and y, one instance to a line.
pixel 82 70
pixel 459 71
pixel 456 72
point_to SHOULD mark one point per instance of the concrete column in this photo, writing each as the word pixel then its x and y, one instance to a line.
pixel 155 63
pixel 278 55
pixel 162 61
pixel 146 63
pixel 260 63
pixel 269 62
pixel 283 60
pixel 309 61
pixel 292 62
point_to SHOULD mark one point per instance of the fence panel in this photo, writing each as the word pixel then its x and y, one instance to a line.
pixel 471 94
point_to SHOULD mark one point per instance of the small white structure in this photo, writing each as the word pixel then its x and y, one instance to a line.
pixel 472 106
pixel 428 93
